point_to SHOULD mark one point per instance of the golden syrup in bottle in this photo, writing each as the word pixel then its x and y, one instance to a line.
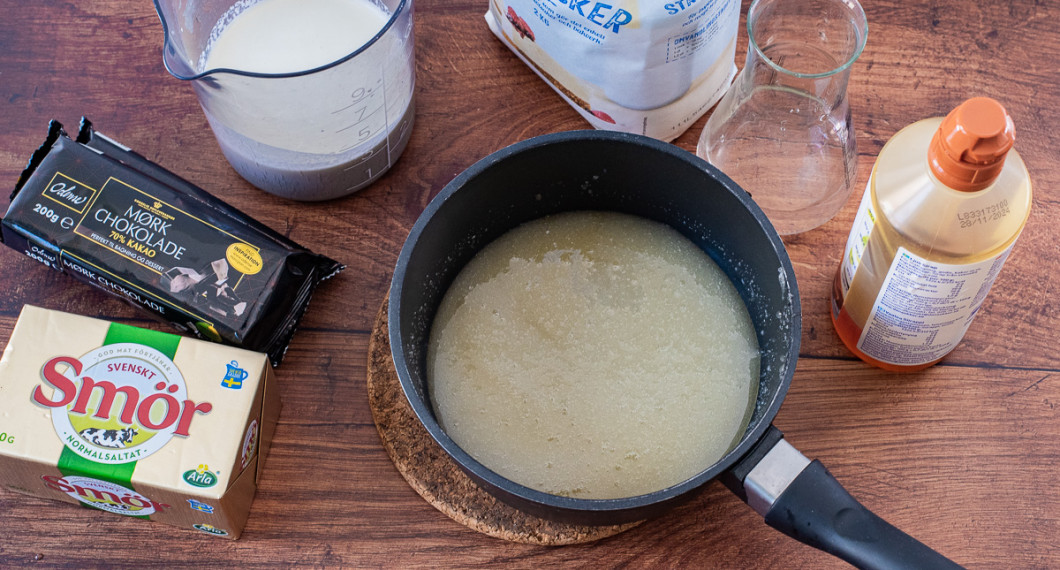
pixel 945 202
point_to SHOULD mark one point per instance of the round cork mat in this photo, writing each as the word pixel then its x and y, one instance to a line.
pixel 437 478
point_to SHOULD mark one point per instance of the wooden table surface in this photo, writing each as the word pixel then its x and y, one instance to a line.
pixel 964 456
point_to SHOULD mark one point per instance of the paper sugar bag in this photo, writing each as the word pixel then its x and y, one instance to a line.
pixel 642 67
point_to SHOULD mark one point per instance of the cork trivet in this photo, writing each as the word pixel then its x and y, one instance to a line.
pixel 437 478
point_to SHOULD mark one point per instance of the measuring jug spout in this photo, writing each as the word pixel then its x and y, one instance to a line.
pixel 177 33
pixel 296 116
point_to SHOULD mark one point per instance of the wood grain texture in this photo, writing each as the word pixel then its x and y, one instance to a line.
pixel 964 456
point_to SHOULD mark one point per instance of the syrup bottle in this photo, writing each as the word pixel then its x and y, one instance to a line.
pixel 945 202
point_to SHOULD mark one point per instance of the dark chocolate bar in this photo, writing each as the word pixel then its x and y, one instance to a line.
pixel 98 211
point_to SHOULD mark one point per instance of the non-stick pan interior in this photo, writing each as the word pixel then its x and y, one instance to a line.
pixel 594 170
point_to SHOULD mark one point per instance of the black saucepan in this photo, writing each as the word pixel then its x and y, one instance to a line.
pixel 598 170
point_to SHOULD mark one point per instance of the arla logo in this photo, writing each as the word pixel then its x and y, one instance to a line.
pixel 209 528
pixel 117 403
pixel 200 477
pixel 104 495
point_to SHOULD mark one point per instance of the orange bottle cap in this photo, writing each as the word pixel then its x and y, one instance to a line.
pixel 969 149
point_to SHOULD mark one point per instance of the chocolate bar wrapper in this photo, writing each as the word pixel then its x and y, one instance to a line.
pixel 109 217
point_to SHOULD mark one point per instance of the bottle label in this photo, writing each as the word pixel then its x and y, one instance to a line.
pixel 857 241
pixel 924 308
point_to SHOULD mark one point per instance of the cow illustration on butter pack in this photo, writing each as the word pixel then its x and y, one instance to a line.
pixel 108 437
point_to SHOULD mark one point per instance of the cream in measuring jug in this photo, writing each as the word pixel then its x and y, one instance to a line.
pixel 260 37
pixel 309 99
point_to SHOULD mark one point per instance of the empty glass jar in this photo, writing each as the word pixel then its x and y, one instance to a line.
pixel 783 130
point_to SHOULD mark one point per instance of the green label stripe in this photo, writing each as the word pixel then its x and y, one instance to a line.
pixel 71 463
pixel 163 342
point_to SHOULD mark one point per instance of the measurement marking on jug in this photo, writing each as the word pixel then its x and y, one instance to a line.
pixel 360 117
pixel 358 162
pixel 358 95
pixel 360 120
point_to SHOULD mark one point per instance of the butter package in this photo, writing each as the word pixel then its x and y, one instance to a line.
pixel 132 421
pixel 107 216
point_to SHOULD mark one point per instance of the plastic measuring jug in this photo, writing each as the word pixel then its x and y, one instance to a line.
pixel 307 134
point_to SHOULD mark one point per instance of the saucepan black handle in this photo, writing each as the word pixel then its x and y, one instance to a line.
pixel 803 500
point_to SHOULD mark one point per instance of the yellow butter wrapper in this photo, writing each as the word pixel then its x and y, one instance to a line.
pixel 134 421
